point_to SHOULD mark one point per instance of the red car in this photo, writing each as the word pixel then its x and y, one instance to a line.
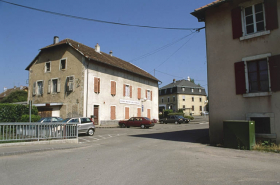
pixel 142 122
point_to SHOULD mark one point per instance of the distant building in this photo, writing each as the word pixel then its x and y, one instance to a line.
pixel 70 79
pixel 7 91
pixel 183 94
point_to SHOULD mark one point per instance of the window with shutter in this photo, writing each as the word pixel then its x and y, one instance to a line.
pixel 240 83
pixel 126 112
pixel 139 93
pixel 96 85
pixel 149 113
pixel 130 91
pixel 274 67
pixel 40 88
pixel 113 88
pixel 70 83
pixel 254 20
pixel 113 112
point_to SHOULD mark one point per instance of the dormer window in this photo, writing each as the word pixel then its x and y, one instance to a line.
pixel 192 90
pixel 183 89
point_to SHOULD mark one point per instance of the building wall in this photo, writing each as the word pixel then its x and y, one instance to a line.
pixel 72 102
pixel 82 100
pixel 179 102
pixel 222 52
pixel 105 100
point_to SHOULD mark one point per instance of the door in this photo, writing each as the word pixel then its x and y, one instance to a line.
pixel 96 113
pixel 139 112
pixel 45 112
pixel 126 116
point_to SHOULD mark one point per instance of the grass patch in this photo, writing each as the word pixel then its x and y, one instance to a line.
pixel 267 146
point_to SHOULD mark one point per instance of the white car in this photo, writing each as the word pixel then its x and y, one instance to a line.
pixel 85 125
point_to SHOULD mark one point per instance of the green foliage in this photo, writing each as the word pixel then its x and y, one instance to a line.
pixel 192 80
pixel 14 112
pixel 189 117
pixel 166 112
pixel 176 113
pixel 16 96
pixel 181 110
pixel 34 118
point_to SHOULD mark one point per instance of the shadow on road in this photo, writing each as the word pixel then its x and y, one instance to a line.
pixel 191 136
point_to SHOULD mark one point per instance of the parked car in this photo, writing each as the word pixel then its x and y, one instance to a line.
pixel 85 125
pixel 142 122
pixel 50 119
pixel 203 113
pixel 172 119
pixel 185 120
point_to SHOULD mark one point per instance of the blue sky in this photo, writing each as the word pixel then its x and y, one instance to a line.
pixel 25 31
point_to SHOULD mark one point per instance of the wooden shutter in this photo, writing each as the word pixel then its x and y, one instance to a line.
pixel 130 91
pixel 95 84
pixel 49 86
pixel 126 112
pixel 271 14
pixel 151 95
pixel 98 84
pixel 240 82
pixel 123 89
pixel 149 113
pixel 113 112
pixel 58 85
pixel 274 67
pixel 146 93
pixel 138 112
pixel 236 23
pixel 113 87
pixel 139 93
pixel 34 88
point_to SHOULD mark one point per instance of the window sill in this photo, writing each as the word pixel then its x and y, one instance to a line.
pixel 250 95
pixel 255 35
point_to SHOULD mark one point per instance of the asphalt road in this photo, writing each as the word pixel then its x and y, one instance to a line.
pixel 166 154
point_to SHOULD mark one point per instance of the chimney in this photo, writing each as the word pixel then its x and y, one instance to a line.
pixel 174 80
pixel 55 39
pixel 97 48
pixel 189 79
pixel 111 53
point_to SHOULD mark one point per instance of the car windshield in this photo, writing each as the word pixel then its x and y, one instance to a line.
pixel 180 116
pixel 65 120
pixel 59 119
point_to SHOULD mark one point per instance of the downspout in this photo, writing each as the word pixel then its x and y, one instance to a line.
pixel 87 92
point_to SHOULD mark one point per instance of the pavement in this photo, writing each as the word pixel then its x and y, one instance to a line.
pixel 18 148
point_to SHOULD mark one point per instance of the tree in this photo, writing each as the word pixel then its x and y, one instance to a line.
pixel 192 80
pixel 16 96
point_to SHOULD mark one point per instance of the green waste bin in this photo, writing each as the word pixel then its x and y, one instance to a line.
pixel 239 134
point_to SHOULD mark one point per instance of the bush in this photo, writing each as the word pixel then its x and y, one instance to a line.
pixel 189 117
pixel 176 113
pixel 14 112
pixel 34 118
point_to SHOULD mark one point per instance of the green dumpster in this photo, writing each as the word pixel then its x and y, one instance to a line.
pixel 239 134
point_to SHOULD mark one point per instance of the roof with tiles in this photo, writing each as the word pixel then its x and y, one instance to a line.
pixel 199 12
pixel 182 83
pixel 101 57
pixel 7 92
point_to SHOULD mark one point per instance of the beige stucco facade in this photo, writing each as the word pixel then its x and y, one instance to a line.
pixel 82 100
pixel 222 53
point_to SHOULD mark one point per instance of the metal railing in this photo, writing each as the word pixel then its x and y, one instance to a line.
pixel 37 131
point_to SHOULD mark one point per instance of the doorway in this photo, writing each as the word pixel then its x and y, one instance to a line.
pixel 96 113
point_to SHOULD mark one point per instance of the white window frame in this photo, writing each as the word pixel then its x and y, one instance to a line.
pixel 57 85
pixel 37 87
pixel 192 89
pixel 148 94
pixel 184 98
pixel 127 90
pixel 61 65
pixel 243 20
pixel 252 58
pixel 49 62
pixel 183 89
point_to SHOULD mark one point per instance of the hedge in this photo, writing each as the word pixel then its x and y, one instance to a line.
pixel 13 112
pixel 34 118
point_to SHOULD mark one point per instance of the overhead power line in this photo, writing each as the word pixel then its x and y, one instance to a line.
pixel 159 49
pixel 96 20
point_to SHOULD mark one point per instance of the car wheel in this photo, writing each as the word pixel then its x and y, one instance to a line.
pixel 90 132
pixel 123 125
pixel 127 126
pixel 142 126
pixel 176 122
